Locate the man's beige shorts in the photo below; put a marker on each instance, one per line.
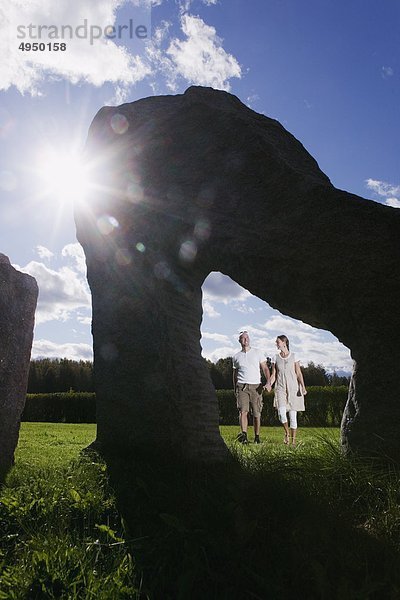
(249, 394)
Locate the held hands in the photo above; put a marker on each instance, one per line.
(267, 387)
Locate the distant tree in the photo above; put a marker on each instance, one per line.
(48, 375)
(335, 379)
(33, 380)
(50, 372)
(224, 368)
(221, 373)
(315, 375)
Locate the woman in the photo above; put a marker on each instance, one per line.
(289, 388)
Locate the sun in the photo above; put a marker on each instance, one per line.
(62, 175)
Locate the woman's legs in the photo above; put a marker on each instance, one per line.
(283, 419)
(293, 425)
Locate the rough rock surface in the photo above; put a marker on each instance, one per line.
(198, 182)
(18, 297)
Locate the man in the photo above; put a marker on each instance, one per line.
(247, 385)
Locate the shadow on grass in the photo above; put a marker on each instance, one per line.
(226, 532)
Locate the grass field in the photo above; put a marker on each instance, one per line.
(56, 444)
(294, 519)
(52, 444)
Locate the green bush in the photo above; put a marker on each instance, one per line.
(62, 407)
(324, 407)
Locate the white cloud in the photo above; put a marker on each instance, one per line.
(44, 252)
(223, 289)
(308, 343)
(48, 349)
(279, 324)
(82, 62)
(209, 310)
(393, 202)
(382, 188)
(221, 352)
(219, 288)
(250, 100)
(243, 308)
(61, 292)
(387, 72)
(216, 337)
(75, 251)
(148, 3)
(161, 32)
(158, 59)
(390, 192)
(184, 5)
(84, 320)
(199, 59)
(120, 95)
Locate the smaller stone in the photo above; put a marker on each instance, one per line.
(18, 298)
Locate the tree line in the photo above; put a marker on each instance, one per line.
(49, 375)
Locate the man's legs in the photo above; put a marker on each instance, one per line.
(242, 396)
(257, 426)
(244, 420)
(256, 408)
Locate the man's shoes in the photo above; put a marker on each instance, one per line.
(257, 439)
(242, 438)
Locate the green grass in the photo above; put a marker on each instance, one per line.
(52, 444)
(280, 522)
(307, 437)
(60, 529)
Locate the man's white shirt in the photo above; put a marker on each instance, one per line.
(248, 365)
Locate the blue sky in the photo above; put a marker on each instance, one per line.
(328, 70)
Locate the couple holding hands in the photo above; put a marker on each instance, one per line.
(289, 388)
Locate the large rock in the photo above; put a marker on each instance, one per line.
(198, 182)
(18, 297)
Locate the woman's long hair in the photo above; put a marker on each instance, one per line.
(284, 339)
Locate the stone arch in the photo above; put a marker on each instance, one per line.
(198, 182)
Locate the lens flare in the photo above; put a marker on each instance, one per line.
(123, 257)
(188, 251)
(106, 224)
(119, 123)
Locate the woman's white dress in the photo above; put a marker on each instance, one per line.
(286, 384)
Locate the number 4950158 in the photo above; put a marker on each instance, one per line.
(42, 46)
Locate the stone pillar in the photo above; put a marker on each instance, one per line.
(18, 297)
(189, 184)
(370, 423)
